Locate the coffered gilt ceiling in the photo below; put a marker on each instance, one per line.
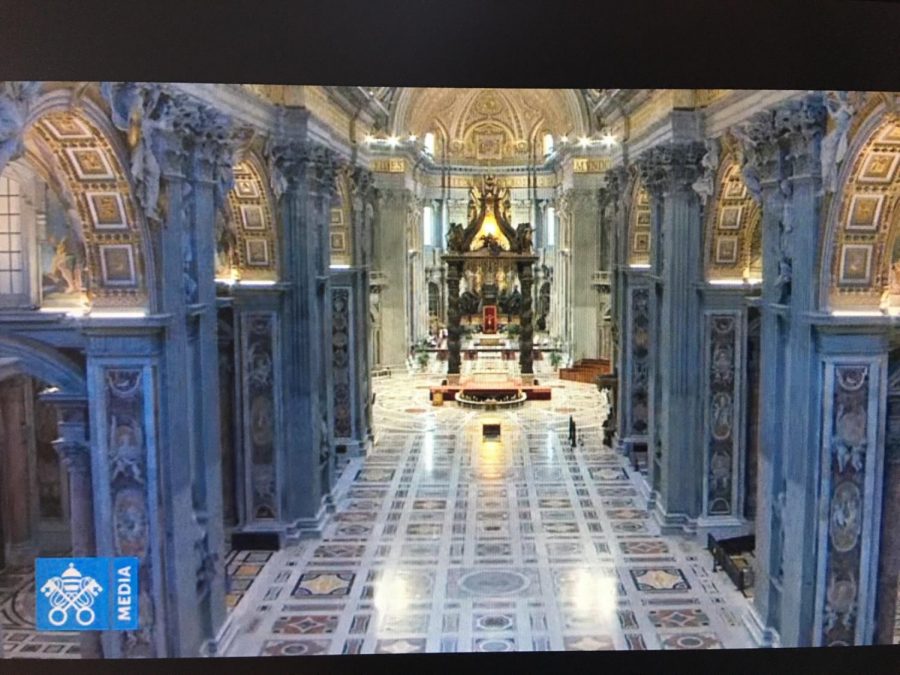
(477, 125)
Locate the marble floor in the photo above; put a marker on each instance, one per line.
(444, 542)
(21, 639)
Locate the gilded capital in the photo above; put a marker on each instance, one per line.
(294, 163)
(671, 167)
(804, 126)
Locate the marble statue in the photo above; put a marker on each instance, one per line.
(749, 161)
(141, 111)
(475, 198)
(604, 401)
(705, 185)
(834, 144)
(455, 237)
(469, 302)
(15, 99)
(524, 238)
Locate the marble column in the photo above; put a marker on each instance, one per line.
(74, 451)
(154, 384)
(526, 335)
(668, 173)
(617, 187)
(304, 177)
(350, 294)
(454, 331)
(393, 262)
(801, 126)
(212, 151)
(782, 168)
(583, 206)
(177, 631)
(763, 170)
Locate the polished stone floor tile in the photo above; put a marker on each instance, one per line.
(443, 543)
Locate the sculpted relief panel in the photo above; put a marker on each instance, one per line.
(640, 361)
(850, 469)
(721, 411)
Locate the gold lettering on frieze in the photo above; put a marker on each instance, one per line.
(591, 164)
(392, 165)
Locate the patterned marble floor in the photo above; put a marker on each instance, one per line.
(20, 637)
(443, 542)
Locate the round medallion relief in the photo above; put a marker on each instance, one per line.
(846, 516)
(494, 582)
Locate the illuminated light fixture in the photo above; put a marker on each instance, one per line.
(608, 140)
(726, 282)
(856, 312)
(339, 266)
(257, 282)
(412, 138)
(393, 141)
(118, 314)
(753, 281)
(640, 266)
(370, 138)
(75, 312)
(584, 141)
(489, 226)
(564, 139)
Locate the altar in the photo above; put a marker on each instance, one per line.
(490, 273)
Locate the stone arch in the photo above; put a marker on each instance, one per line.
(731, 225)
(36, 359)
(77, 151)
(862, 227)
(247, 247)
(520, 113)
(639, 231)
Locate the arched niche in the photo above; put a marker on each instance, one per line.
(247, 246)
(90, 241)
(861, 253)
(733, 234)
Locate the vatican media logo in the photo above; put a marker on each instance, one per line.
(77, 594)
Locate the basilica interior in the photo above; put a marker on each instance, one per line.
(391, 370)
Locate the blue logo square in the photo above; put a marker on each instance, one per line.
(75, 594)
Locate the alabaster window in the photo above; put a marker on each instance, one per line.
(428, 226)
(548, 145)
(551, 226)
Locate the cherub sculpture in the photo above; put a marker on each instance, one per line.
(455, 238)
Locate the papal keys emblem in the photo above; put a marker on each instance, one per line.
(71, 591)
